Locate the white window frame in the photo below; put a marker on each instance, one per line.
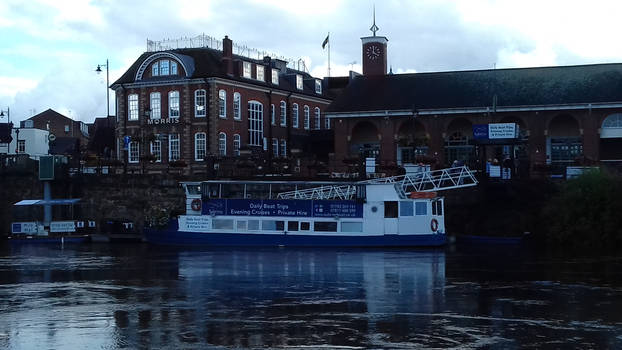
(200, 103)
(272, 115)
(318, 86)
(156, 105)
(283, 106)
(260, 72)
(173, 68)
(222, 104)
(155, 69)
(307, 118)
(318, 118)
(133, 152)
(283, 148)
(132, 107)
(299, 82)
(275, 147)
(222, 144)
(247, 69)
(275, 76)
(326, 122)
(200, 146)
(164, 67)
(21, 146)
(174, 151)
(237, 109)
(156, 149)
(173, 104)
(237, 143)
(255, 123)
(295, 114)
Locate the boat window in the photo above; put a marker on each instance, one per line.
(233, 191)
(390, 209)
(222, 224)
(304, 226)
(242, 225)
(193, 188)
(325, 226)
(213, 190)
(272, 225)
(406, 208)
(361, 192)
(253, 225)
(439, 207)
(421, 208)
(351, 226)
(292, 226)
(258, 191)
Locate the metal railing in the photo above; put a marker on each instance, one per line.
(428, 181)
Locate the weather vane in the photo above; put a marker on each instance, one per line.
(374, 28)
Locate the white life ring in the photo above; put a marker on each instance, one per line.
(195, 204)
(434, 225)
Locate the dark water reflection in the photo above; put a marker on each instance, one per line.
(140, 296)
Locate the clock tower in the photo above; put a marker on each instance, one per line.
(374, 52)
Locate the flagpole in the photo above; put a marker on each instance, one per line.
(329, 54)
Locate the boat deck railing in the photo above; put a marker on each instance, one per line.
(428, 181)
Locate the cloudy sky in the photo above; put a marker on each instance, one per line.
(49, 49)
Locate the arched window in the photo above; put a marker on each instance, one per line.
(200, 103)
(275, 147)
(295, 115)
(272, 115)
(222, 104)
(173, 104)
(283, 113)
(173, 147)
(317, 118)
(255, 123)
(222, 144)
(200, 146)
(156, 150)
(237, 113)
(613, 121)
(133, 154)
(307, 117)
(155, 103)
(237, 143)
(283, 148)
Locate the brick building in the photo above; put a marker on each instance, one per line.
(69, 135)
(208, 111)
(564, 116)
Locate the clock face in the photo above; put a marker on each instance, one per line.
(373, 52)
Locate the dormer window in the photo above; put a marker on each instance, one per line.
(260, 73)
(155, 69)
(164, 67)
(298, 81)
(247, 70)
(275, 76)
(318, 86)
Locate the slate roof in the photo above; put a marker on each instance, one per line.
(597, 83)
(207, 64)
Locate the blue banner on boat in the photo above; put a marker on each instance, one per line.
(287, 208)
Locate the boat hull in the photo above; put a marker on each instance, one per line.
(15, 239)
(171, 236)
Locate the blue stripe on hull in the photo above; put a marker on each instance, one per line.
(48, 240)
(170, 236)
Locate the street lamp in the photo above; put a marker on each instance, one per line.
(8, 114)
(99, 70)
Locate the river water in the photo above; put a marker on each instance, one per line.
(141, 296)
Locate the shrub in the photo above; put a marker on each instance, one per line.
(586, 213)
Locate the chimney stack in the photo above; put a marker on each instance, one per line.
(227, 55)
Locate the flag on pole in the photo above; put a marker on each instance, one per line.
(325, 42)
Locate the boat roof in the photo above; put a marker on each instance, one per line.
(69, 201)
(270, 182)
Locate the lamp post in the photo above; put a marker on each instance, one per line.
(8, 114)
(99, 70)
(10, 126)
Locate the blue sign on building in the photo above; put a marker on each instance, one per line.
(480, 131)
